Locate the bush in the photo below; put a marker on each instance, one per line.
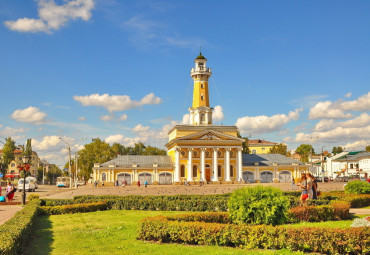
(357, 187)
(338, 210)
(33, 197)
(319, 240)
(358, 201)
(15, 233)
(258, 205)
(76, 208)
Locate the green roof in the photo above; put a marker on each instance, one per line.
(200, 56)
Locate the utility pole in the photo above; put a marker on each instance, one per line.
(69, 163)
(76, 161)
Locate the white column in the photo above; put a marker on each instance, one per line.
(177, 164)
(215, 165)
(190, 165)
(227, 165)
(240, 164)
(99, 175)
(202, 163)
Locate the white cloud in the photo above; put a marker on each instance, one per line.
(349, 94)
(357, 145)
(264, 124)
(140, 128)
(218, 115)
(126, 141)
(123, 117)
(186, 119)
(107, 117)
(12, 132)
(116, 102)
(360, 121)
(53, 16)
(361, 104)
(327, 110)
(47, 143)
(82, 118)
(29, 115)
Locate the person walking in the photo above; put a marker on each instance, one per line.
(293, 183)
(138, 183)
(146, 183)
(304, 192)
(10, 191)
(309, 185)
(314, 186)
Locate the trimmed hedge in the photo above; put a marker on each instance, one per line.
(338, 210)
(331, 241)
(358, 201)
(75, 208)
(15, 233)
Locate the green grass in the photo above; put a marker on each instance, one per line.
(111, 232)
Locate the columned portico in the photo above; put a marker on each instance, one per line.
(215, 165)
(240, 163)
(202, 163)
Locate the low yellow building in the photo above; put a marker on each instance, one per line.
(259, 146)
(201, 151)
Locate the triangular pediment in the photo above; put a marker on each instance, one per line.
(209, 135)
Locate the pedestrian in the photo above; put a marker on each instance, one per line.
(0, 191)
(10, 189)
(201, 182)
(314, 186)
(304, 192)
(117, 183)
(146, 183)
(240, 180)
(102, 183)
(138, 183)
(309, 186)
(293, 183)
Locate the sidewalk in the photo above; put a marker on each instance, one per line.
(7, 211)
(359, 211)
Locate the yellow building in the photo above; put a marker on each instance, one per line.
(259, 146)
(200, 151)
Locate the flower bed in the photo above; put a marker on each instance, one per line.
(178, 229)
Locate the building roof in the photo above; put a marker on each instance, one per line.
(142, 161)
(354, 156)
(200, 56)
(259, 142)
(268, 160)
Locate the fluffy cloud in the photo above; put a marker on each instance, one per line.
(327, 110)
(107, 117)
(126, 141)
(357, 145)
(12, 132)
(53, 16)
(186, 119)
(360, 121)
(29, 115)
(218, 115)
(82, 118)
(361, 104)
(140, 128)
(123, 117)
(265, 124)
(116, 102)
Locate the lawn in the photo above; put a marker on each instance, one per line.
(114, 232)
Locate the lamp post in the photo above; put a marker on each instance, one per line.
(69, 163)
(25, 167)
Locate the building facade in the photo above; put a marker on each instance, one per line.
(200, 151)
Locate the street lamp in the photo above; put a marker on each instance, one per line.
(69, 163)
(25, 167)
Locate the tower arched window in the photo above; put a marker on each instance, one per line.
(201, 86)
(201, 97)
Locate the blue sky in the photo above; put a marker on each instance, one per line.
(285, 71)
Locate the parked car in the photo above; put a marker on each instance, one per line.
(33, 180)
(29, 186)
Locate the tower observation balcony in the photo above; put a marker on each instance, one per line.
(200, 70)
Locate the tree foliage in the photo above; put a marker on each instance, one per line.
(337, 150)
(99, 151)
(8, 154)
(367, 148)
(305, 150)
(244, 144)
(279, 149)
(52, 174)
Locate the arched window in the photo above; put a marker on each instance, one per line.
(219, 171)
(104, 177)
(12, 165)
(254, 152)
(231, 171)
(195, 171)
(182, 171)
(202, 118)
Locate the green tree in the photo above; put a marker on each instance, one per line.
(244, 144)
(279, 149)
(305, 150)
(337, 150)
(367, 148)
(151, 150)
(52, 174)
(97, 151)
(8, 154)
(119, 149)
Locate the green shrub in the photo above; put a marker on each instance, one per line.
(357, 201)
(33, 197)
(357, 187)
(258, 205)
(318, 240)
(16, 232)
(337, 210)
(76, 208)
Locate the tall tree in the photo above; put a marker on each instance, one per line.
(244, 144)
(151, 150)
(53, 173)
(305, 150)
(337, 150)
(8, 154)
(367, 148)
(279, 149)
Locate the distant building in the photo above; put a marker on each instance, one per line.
(259, 146)
(13, 171)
